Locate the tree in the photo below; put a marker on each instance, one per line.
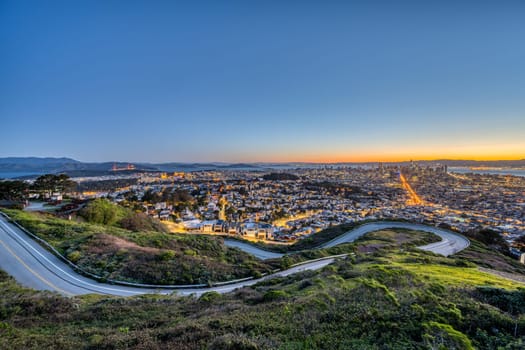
(49, 183)
(491, 238)
(100, 211)
(65, 184)
(151, 197)
(182, 196)
(13, 190)
(230, 210)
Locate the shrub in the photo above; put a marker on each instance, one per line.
(232, 342)
(273, 294)
(101, 211)
(210, 296)
(74, 256)
(190, 252)
(443, 336)
(141, 222)
(286, 262)
(166, 255)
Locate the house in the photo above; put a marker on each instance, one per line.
(233, 229)
(160, 206)
(164, 214)
(56, 197)
(207, 226)
(219, 226)
(259, 230)
(193, 224)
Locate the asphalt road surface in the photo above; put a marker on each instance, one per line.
(450, 243)
(35, 267)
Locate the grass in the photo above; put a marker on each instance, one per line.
(460, 276)
(158, 258)
(485, 256)
(396, 297)
(143, 257)
(348, 305)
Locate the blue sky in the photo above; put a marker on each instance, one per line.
(262, 80)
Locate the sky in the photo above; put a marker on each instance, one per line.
(262, 81)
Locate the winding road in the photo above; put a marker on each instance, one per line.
(450, 243)
(35, 267)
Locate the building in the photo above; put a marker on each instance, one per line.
(260, 230)
(164, 214)
(207, 226)
(219, 226)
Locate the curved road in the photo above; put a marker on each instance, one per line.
(450, 243)
(35, 267)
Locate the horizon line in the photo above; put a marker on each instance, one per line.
(279, 161)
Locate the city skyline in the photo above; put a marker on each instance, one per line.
(279, 82)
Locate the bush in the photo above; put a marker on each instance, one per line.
(101, 211)
(167, 255)
(141, 222)
(460, 262)
(443, 336)
(232, 342)
(286, 262)
(272, 295)
(190, 252)
(74, 256)
(210, 296)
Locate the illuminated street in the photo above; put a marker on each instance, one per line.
(414, 198)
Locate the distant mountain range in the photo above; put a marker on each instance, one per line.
(11, 167)
(26, 167)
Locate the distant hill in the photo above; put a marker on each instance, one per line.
(203, 166)
(27, 167)
(36, 162)
(13, 167)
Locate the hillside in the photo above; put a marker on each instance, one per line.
(143, 254)
(396, 297)
(31, 166)
(27, 167)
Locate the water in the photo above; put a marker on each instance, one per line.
(12, 175)
(509, 171)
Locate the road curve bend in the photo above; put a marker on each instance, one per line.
(450, 243)
(35, 267)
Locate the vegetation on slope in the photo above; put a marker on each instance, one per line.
(315, 240)
(396, 297)
(147, 256)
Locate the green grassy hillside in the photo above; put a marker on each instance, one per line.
(394, 297)
(142, 256)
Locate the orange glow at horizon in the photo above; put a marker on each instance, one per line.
(479, 153)
(364, 158)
